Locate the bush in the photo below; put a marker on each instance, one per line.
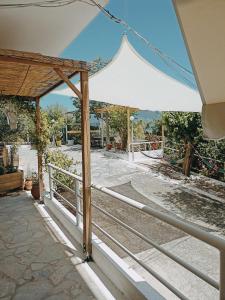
(63, 161)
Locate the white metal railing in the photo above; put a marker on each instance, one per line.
(144, 146)
(180, 224)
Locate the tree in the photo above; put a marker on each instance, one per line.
(186, 128)
(117, 118)
(93, 106)
(25, 112)
(56, 115)
(183, 127)
(139, 130)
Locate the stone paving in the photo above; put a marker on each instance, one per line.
(33, 263)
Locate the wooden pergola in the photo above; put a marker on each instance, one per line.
(35, 75)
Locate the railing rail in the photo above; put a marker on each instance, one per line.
(141, 144)
(192, 230)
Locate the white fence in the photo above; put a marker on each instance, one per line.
(189, 229)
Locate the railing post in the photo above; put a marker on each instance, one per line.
(77, 199)
(222, 274)
(132, 152)
(50, 181)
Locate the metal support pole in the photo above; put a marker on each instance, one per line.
(102, 130)
(132, 139)
(107, 128)
(163, 137)
(86, 166)
(66, 134)
(222, 275)
(128, 129)
(50, 181)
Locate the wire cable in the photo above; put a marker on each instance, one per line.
(46, 4)
(182, 71)
(171, 62)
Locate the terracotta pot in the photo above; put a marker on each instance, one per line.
(109, 146)
(35, 191)
(28, 184)
(154, 146)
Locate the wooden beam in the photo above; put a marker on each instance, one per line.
(68, 82)
(39, 153)
(77, 65)
(86, 166)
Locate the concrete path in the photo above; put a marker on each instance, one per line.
(196, 253)
(38, 262)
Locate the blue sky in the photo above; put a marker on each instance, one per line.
(154, 19)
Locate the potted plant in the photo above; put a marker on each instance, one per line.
(58, 140)
(35, 191)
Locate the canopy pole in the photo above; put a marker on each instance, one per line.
(102, 130)
(128, 129)
(163, 136)
(86, 166)
(107, 128)
(39, 152)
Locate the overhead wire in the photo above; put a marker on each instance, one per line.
(169, 61)
(46, 4)
(182, 71)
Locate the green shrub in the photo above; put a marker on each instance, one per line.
(63, 161)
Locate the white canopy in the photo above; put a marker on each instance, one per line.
(130, 80)
(47, 30)
(203, 27)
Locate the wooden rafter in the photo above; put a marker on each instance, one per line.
(34, 75)
(68, 82)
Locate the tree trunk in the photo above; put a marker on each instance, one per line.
(187, 159)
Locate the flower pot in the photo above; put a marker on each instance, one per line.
(109, 146)
(58, 143)
(154, 146)
(28, 184)
(35, 191)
